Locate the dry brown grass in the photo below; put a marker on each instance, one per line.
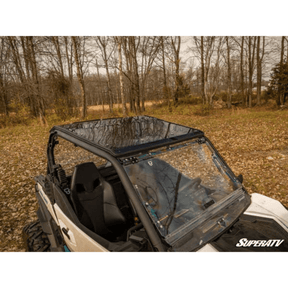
(117, 106)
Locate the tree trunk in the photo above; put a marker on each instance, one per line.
(80, 77)
(142, 90)
(251, 56)
(242, 71)
(177, 68)
(177, 83)
(103, 44)
(55, 41)
(143, 97)
(261, 60)
(165, 88)
(137, 86)
(131, 88)
(202, 70)
(16, 58)
(258, 72)
(3, 94)
(110, 99)
(25, 48)
(250, 72)
(69, 63)
(136, 82)
(70, 74)
(100, 88)
(129, 67)
(280, 92)
(228, 74)
(124, 109)
(34, 68)
(246, 84)
(25, 81)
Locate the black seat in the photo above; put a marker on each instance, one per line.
(95, 203)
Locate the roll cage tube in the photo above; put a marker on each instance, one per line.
(50, 153)
(145, 219)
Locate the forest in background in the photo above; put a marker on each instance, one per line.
(42, 75)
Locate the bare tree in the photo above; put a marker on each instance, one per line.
(103, 42)
(136, 69)
(24, 43)
(55, 40)
(63, 92)
(16, 60)
(228, 74)
(134, 43)
(75, 41)
(280, 93)
(35, 77)
(129, 73)
(251, 63)
(242, 70)
(149, 49)
(206, 47)
(119, 42)
(259, 66)
(130, 47)
(3, 92)
(203, 78)
(99, 86)
(216, 70)
(69, 59)
(176, 43)
(165, 87)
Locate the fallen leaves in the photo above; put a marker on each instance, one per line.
(20, 160)
(245, 139)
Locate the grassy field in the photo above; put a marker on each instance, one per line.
(254, 142)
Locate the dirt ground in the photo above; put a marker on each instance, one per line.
(253, 142)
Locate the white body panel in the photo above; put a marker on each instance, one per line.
(208, 248)
(76, 235)
(263, 206)
(79, 241)
(47, 203)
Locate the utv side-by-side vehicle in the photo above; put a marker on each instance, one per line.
(144, 184)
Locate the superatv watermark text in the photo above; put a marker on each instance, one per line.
(244, 242)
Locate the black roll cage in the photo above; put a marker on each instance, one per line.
(113, 159)
(151, 231)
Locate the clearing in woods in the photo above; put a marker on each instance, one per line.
(254, 142)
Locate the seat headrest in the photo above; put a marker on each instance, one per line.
(85, 177)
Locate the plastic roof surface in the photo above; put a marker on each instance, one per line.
(122, 134)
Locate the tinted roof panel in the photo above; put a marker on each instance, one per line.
(122, 135)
